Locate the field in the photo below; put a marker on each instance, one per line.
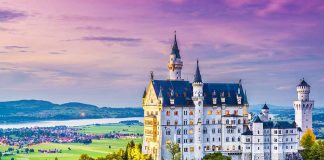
(117, 128)
(98, 148)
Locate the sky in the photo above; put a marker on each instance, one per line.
(102, 52)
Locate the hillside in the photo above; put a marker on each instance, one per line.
(35, 110)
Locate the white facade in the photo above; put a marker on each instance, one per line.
(205, 118)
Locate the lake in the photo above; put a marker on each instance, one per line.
(76, 122)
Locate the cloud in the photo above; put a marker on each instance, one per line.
(111, 39)
(15, 47)
(98, 28)
(55, 53)
(284, 87)
(7, 15)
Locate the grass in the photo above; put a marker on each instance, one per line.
(104, 129)
(98, 148)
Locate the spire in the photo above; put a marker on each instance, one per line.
(175, 49)
(265, 106)
(197, 74)
(303, 83)
(144, 94)
(245, 98)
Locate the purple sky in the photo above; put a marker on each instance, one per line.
(101, 52)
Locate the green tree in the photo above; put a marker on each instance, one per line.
(85, 157)
(317, 151)
(56, 158)
(174, 149)
(216, 155)
(307, 141)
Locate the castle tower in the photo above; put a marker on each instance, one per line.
(303, 106)
(265, 113)
(175, 64)
(198, 99)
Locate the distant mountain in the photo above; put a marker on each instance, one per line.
(35, 110)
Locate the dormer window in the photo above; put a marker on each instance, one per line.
(214, 100)
(171, 101)
(223, 99)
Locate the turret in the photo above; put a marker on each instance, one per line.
(175, 64)
(303, 106)
(265, 112)
(303, 90)
(198, 99)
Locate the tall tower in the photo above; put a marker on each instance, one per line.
(303, 106)
(198, 100)
(265, 113)
(175, 64)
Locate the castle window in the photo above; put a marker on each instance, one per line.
(191, 113)
(209, 112)
(275, 140)
(258, 132)
(192, 149)
(185, 149)
(247, 139)
(218, 112)
(239, 147)
(185, 112)
(207, 139)
(175, 113)
(191, 140)
(275, 148)
(179, 132)
(168, 141)
(185, 131)
(185, 122)
(238, 130)
(239, 121)
(219, 130)
(207, 121)
(275, 132)
(147, 113)
(213, 121)
(235, 112)
(168, 132)
(213, 130)
(205, 131)
(219, 121)
(279, 131)
(175, 122)
(227, 121)
(191, 122)
(168, 113)
(178, 140)
(227, 139)
(286, 131)
(227, 112)
(191, 131)
(233, 147)
(239, 139)
(233, 139)
(168, 122)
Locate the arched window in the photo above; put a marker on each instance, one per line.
(205, 130)
(168, 122)
(239, 139)
(191, 113)
(239, 147)
(191, 122)
(239, 121)
(233, 139)
(168, 132)
(238, 130)
(233, 147)
(208, 148)
(168, 113)
(214, 122)
(176, 122)
(227, 121)
(179, 132)
(207, 121)
(175, 113)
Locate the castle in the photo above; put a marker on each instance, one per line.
(205, 118)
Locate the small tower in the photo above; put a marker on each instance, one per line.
(265, 113)
(175, 64)
(198, 100)
(303, 106)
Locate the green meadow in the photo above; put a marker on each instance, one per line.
(115, 128)
(98, 148)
